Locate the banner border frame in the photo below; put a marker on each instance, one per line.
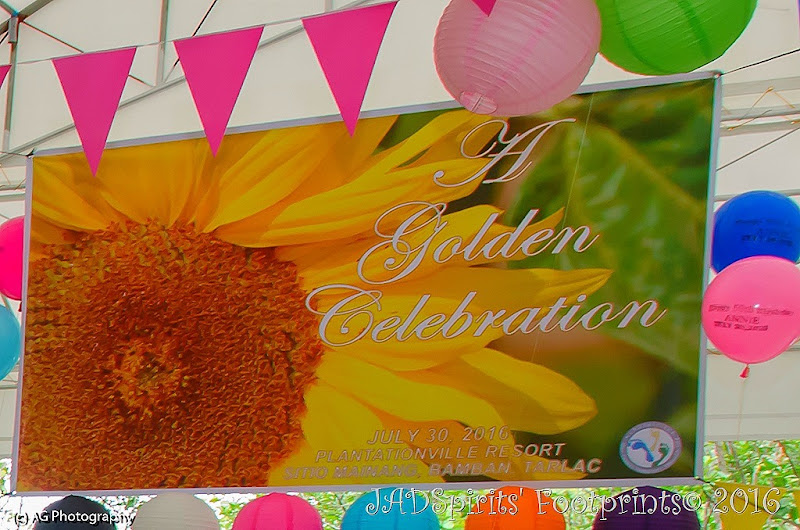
(390, 111)
(716, 123)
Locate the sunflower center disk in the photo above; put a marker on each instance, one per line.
(169, 346)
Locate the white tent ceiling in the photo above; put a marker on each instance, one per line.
(285, 82)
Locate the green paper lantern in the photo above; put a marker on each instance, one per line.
(661, 37)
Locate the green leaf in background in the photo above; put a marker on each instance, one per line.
(643, 189)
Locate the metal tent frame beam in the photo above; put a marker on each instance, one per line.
(757, 116)
(28, 147)
(25, 12)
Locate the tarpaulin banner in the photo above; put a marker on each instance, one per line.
(443, 297)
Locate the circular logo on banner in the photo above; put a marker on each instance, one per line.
(650, 448)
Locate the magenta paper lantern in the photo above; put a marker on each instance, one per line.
(751, 311)
(523, 58)
(12, 235)
(278, 511)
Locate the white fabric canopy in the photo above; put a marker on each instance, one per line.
(286, 83)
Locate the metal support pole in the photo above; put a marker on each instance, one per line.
(13, 37)
(161, 69)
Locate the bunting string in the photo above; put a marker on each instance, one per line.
(284, 21)
(349, 7)
(346, 42)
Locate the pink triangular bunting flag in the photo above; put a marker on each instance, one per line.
(347, 45)
(215, 67)
(486, 5)
(93, 85)
(4, 73)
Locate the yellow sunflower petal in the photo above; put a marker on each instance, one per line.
(130, 176)
(47, 233)
(384, 180)
(245, 159)
(529, 397)
(402, 397)
(509, 290)
(313, 259)
(472, 146)
(43, 234)
(442, 130)
(337, 423)
(282, 180)
(67, 195)
(350, 209)
(279, 163)
(351, 153)
(204, 197)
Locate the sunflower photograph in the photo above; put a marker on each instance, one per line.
(174, 312)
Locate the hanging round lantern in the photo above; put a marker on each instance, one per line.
(10, 341)
(74, 513)
(176, 511)
(751, 310)
(523, 58)
(757, 223)
(278, 511)
(660, 37)
(12, 235)
(391, 508)
(514, 508)
(647, 507)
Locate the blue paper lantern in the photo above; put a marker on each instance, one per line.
(10, 341)
(757, 223)
(391, 509)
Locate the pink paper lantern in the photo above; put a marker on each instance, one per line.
(751, 311)
(523, 58)
(278, 511)
(12, 235)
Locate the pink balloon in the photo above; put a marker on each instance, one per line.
(525, 57)
(12, 235)
(278, 511)
(751, 311)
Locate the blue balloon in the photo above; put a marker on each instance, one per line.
(391, 509)
(10, 341)
(757, 223)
